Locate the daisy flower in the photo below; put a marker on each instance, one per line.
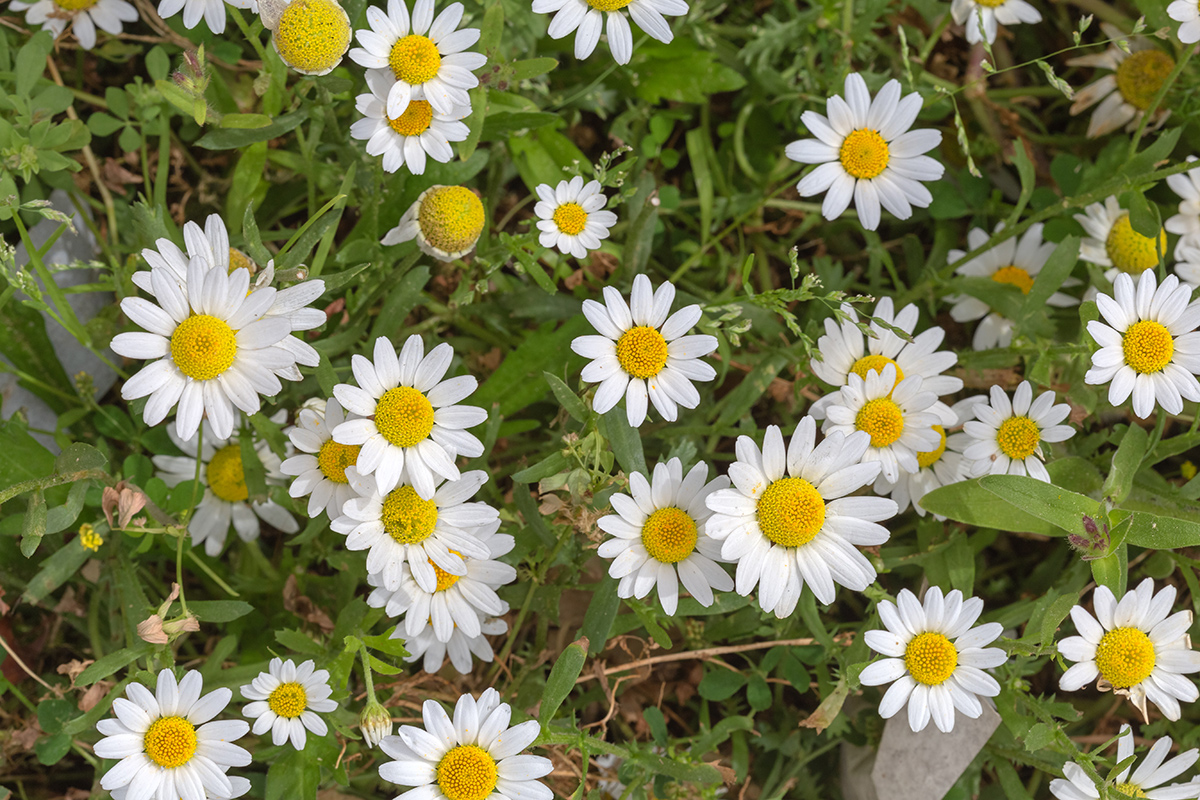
(399, 526)
(868, 154)
(1146, 780)
(213, 348)
(457, 602)
(1112, 242)
(432, 654)
(286, 699)
(238, 786)
(987, 14)
(897, 415)
(1015, 262)
(1124, 95)
(642, 353)
(311, 36)
(225, 492)
(571, 216)
(1187, 264)
(446, 221)
(659, 538)
(936, 657)
(422, 59)
(1185, 223)
(787, 521)
(167, 743)
(407, 138)
(408, 417)
(1136, 648)
(320, 467)
(845, 350)
(1187, 12)
(85, 16)
(470, 757)
(941, 466)
(211, 11)
(1006, 438)
(587, 17)
(1149, 347)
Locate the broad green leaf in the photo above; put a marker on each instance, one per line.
(1125, 463)
(109, 664)
(569, 400)
(969, 502)
(601, 611)
(35, 523)
(518, 381)
(219, 610)
(56, 570)
(625, 442)
(550, 465)
(236, 138)
(562, 679)
(294, 775)
(1058, 506)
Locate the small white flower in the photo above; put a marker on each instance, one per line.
(941, 466)
(422, 58)
(1138, 648)
(286, 701)
(409, 418)
(1187, 264)
(1006, 437)
(786, 520)
(1146, 781)
(1112, 242)
(935, 658)
(167, 744)
(659, 538)
(407, 138)
(1015, 262)
(868, 154)
(1150, 347)
(642, 353)
(1185, 223)
(1124, 95)
(1187, 12)
(587, 16)
(571, 216)
(85, 16)
(971, 14)
(320, 467)
(473, 756)
(446, 221)
(225, 491)
(399, 527)
(211, 11)
(460, 649)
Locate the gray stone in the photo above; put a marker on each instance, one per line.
(923, 766)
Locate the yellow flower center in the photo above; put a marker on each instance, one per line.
(415, 120)
(790, 512)
(415, 59)
(333, 458)
(239, 260)
(1014, 276)
(1141, 75)
(883, 419)
(930, 457)
(991, 3)
(669, 535)
(444, 579)
(451, 218)
(1188, 470)
(89, 538)
(1131, 252)
(467, 772)
(608, 5)
(406, 517)
(170, 742)
(404, 416)
(1125, 657)
(930, 658)
(75, 5)
(313, 35)
(877, 364)
(225, 476)
(642, 351)
(1129, 789)
(288, 700)
(864, 153)
(1148, 346)
(203, 346)
(1018, 437)
(570, 218)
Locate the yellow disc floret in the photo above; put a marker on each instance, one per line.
(239, 260)
(1014, 276)
(406, 517)
(608, 5)
(930, 457)
(444, 579)
(415, 120)
(868, 364)
(203, 346)
(1125, 657)
(415, 59)
(1018, 437)
(1148, 346)
(881, 418)
(467, 772)
(170, 742)
(1141, 75)
(313, 35)
(570, 218)
(288, 700)
(790, 512)
(864, 154)
(642, 351)
(669, 535)
(991, 3)
(1131, 252)
(1129, 789)
(930, 658)
(333, 458)
(451, 219)
(75, 5)
(225, 476)
(404, 416)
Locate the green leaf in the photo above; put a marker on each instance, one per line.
(55, 571)
(517, 382)
(720, 683)
(52, 714)
(686, 773)
(78, 457)
(1125, 463)
(252, 468)
(682, 72)
(658, 725)
(550, 465)
(245, 121)
(293, 776)
(50, 750)
(235, 138)
(1056, 270)
(1160, 533)
(601, 611)
(1144, 216)
(639, 238)
(109, 664)
(35, 524)
(385, 644)
(220, 610)
(969, 502)
(1058, 506)
(569, 400)
(101, 124)
(62, 517)
(532, 68)
(326, 377)
(562, 679)
(299, 642)
(31, 61)
(625, 441)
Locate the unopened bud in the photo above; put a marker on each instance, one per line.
(375, 723)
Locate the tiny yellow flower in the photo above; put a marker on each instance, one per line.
(89, 538)
(1188, 470)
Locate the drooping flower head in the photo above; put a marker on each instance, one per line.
(1112, 242)
(1125, 94)
(311, 36)
(446, 221)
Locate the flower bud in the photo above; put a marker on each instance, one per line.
(375, 723)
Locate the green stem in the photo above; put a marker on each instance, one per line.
(180, 536)
(212, 575)
(368, 677)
